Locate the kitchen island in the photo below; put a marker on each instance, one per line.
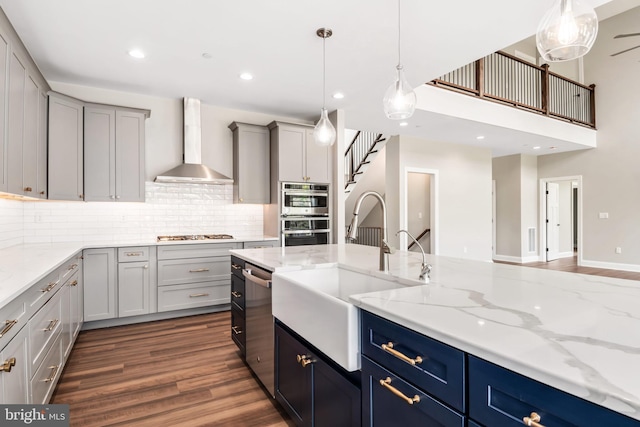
(576, 333)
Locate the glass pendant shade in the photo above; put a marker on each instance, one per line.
(399, 100)
(324, 134)
(567, 31)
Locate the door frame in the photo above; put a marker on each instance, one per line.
(433, 207)
(542, 214)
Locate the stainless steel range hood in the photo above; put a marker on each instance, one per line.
(192, 170)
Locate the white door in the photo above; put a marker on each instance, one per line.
(553, 225)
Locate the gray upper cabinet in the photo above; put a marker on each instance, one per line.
(294, 155)
(4, 66)
(65, 148)
(114, 153)
(41, 150)
(251, 164)
(17, 77)
(30, 142)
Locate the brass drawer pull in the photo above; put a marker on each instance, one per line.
(386, 383)
(74, 283)
(235, 330)
(304, 360)
(236, 294)
(532, 420)
(8, 364)
(54, 372)
(198, 295)
(134, 253)
(51, 286)
(52, 325)
(236, 266)
(8, 325)
(199, 270)
(72, 267)
(28, 189)
(388, 347)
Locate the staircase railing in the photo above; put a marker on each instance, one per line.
(355, 157)
(507, 79)
(369, 236)
(420, 236)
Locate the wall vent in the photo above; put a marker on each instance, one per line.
(532, 239)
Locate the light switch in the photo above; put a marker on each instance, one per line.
(604, 215)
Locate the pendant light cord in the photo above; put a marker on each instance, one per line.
(324, 69)
(399, 62)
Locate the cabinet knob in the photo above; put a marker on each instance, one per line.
(42, 193)
(117, 197)
(80, 196)
(8, 364)
(74, 283)
(28, 189)
(112, 196)
(146, 266)
(532, 420)
(241, 199)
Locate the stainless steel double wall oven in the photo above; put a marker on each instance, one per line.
(305, 214)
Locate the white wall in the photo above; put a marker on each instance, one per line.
(463, 195)
(506, 173)
(418, 207)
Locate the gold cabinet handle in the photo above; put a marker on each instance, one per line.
(28, 189)
(386, 383)
(236, 294)
(54, 372)
(236, 267)
(235, 330)
(51, 286)
(74, 283)
(8, 325)
(388, 347)
(72, 267)
(8, 364)
(42, 193)
(199, 270)
(134, 253)
(52, 325)
(198, 295)
(532, 420)
(304, 360)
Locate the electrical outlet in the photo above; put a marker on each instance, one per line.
(618, 250)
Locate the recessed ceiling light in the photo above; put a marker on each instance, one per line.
(480, 137)
(207, 55)
(404, 123)
(537, 147)
(136, 53)
(338, 95)
(246, 76)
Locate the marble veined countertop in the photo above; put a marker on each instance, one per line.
(574, 332)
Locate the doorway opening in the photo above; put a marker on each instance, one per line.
(561, 218)
(420, 213)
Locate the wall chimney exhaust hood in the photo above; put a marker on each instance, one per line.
(192, 171)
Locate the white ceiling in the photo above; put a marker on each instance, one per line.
(86, 42)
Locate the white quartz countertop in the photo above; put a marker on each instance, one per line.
(574, 332)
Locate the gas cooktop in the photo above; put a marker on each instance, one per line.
(194, 237)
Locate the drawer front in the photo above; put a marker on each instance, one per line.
(43, 290)
(180, 271)
(440, 372)
(13, 317)
(237, 264)
(386, 402)
(70, 267)
(179, 297)
(44, 328)
(237, 292)
(261, 244)
(46, 376)
(14, 383)
(196, 250)
(499, 397)
(238, 328)
(132, 254)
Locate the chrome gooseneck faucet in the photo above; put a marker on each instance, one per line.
(352, 233)
(425, 269)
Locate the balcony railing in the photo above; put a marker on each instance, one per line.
(504, 78)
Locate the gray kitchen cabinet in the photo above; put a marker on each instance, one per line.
(251, 163)
(14, 379)
(134, 281)
(294, 155)
(113, 153)
(100, 284)
(65, 165)
(15, 114)
(72, 310)
(30, 138)
(41, 149)
(4, 92)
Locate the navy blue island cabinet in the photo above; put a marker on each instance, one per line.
(310, 387)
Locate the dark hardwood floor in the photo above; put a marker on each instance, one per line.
(179, 372)
(571, 265)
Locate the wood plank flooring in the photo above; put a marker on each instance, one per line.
(178, 372)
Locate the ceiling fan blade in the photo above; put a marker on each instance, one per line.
(620, 36)
(626, 50)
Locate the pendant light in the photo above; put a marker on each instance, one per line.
(567, 31)
(324, 134)
(399, 100)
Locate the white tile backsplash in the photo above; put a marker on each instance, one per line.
(169, 209)
(11, 222)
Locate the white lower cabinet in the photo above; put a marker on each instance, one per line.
(14, 378)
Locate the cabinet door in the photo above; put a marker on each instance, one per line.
(17, 74)
(14, 385)
(65, 302)
(129, 165)
(336, 401)
(293, 381)
(65, 166)
(30, 142)
(133, 288)
(251, 170)
(317, 160)
(4, 93)
(291, 142)
(99, 154)
(41, 150)
(99, 271)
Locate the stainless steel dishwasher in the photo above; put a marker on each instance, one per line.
(259, 324)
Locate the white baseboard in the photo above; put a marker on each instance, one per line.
(516, 259)
(611, 265)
